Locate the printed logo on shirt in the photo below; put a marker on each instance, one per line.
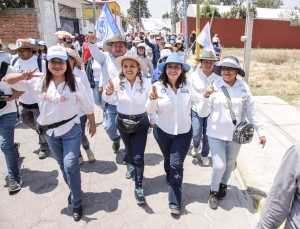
(163, 90)
(141, 90)
(184, 90)
(244, 90)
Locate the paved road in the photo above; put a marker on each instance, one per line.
(108, 196)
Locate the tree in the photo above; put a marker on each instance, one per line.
(273, 4)
(126, 21)
(16, 4)
(133, 10)
(239, 11)
(166, 15)
(293, 16)
(207, 11)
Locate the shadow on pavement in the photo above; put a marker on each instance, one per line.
(98, 166)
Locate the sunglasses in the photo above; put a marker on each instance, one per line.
(23, 49)
(158, 39)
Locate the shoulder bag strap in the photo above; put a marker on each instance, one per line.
(229, 104)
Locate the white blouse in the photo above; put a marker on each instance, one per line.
(200, 83)
(219, 123)
(57, 104)
(173, 110)
(130, 100)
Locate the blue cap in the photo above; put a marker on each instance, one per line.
(57, 52)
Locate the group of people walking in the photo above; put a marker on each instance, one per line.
(179, 108)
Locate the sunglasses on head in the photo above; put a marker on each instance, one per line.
(22, 49)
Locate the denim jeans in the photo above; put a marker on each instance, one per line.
(7, 132)
(29, 117)
(135, 144)
(65, 149)
(109, 117)
(199, 133)
(84, 141)
(174, 148)
(224, 154)
(97, 95)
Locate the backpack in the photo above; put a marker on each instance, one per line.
(3, 69)
(39, 62)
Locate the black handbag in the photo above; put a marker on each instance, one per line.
(244, 131)
(128, 125)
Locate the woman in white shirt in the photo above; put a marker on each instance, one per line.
(75, 62)
(220, 125)
(8, 116)
(200, 80)
(131, 91)
(141, 54)
(59, 94)
(170, 98)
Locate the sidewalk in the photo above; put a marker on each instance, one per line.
(108, 196)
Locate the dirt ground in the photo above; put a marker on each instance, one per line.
(272, 72)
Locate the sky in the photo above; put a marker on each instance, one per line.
(158, 7)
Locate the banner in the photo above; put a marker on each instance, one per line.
(204, 38)
(150, 24)
(105, 25)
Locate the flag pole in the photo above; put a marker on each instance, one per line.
(94, 11)
(197, 27)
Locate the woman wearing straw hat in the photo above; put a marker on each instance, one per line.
(75, 62)
(221, 122)
(170, 99)
(200, 80)
(132, 90)
(59, 94)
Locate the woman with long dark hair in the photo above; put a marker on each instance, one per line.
(59, 94)
(171, 97)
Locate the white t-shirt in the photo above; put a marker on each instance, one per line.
(30, 64)
(6, 89)
(97, 70)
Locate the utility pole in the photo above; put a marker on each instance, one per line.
(186, 27)
(94, 11)
(172, 17)
(248, 46)
(139, 17)
(197, 27)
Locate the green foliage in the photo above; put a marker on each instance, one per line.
(126, 20)
(273, 4)
(238, 11)
(133, 10)
(166, 15)
(293, 16)
(207, 11)
(16, 4)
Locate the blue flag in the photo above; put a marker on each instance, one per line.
(105, 25)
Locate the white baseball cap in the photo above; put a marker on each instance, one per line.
(57, 52)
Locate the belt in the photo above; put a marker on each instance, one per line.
(132, 116)
(57, 124)
(30, 106)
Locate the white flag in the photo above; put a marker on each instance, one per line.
(204, 37)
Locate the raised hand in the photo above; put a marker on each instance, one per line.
(28, 75)
(153, 95)
(262, 141)
(92, 37)
(210, 90)
(110, 88)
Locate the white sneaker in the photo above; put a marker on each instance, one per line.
(90, 154)
(195, 151)
(205, 161)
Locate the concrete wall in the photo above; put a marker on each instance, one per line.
(66, 11)
(18, 23)
(266, 33)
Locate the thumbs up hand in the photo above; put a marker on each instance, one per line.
(110, 88)
(210, 90)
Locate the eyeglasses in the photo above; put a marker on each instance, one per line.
(228, 69)
(60, 63)
(23, 49)
(158, 39)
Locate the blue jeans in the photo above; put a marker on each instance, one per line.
(84, 141)
(7, 133)
(174, 148)
(65, 149)
(135, 144)
(199, 133)
(224, 154)
(97, 95)
(109, 116)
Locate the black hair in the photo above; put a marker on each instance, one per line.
(69, 78)
(181, 81)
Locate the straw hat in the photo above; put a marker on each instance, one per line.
(137, 40)
(207, 55)
(193, 32)
(72, 53)
(168, 46)
(130, 55)
(3, 45)
(229, 61)
(24, 43)
(116, 38)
